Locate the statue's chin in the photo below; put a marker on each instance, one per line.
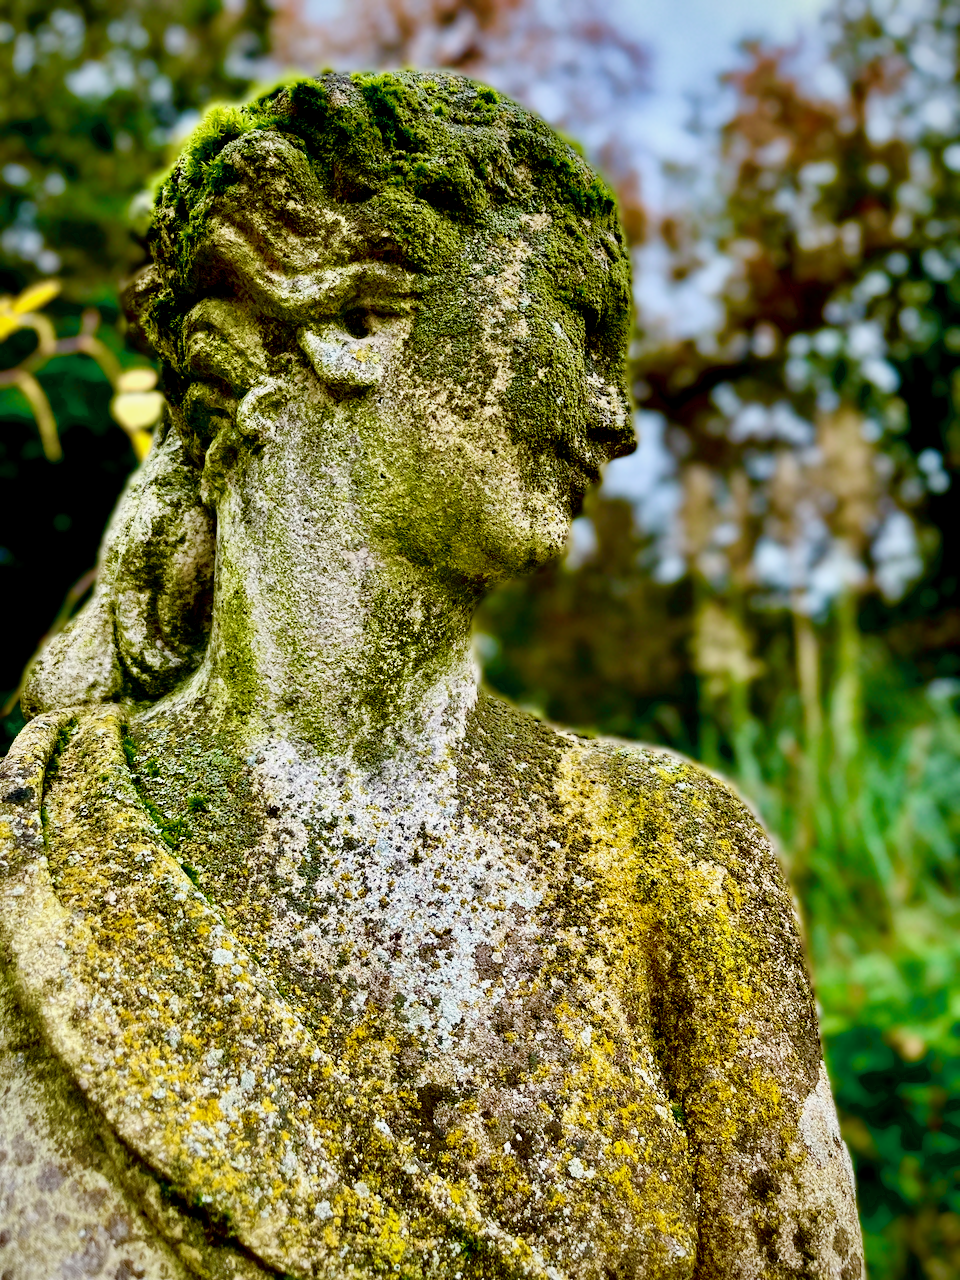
(530, 542)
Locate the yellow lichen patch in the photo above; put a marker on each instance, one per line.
(684, 866)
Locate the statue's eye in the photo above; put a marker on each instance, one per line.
(356, 321)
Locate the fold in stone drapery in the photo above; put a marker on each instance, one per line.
(194, 1059)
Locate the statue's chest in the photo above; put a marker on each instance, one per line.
(373, 1016)
(456, 974)
(434, 929)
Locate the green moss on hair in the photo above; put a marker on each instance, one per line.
(423, 158)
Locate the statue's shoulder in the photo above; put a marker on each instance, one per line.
(63, 1210)
(673, 879)
(695, 850)
(672, 802)
(647, 799)
(672, 848)
(669, 855)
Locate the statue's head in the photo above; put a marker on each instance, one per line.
(400, 285)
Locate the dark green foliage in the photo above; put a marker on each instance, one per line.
(902, 1120)
(52, 516)
(88, 99)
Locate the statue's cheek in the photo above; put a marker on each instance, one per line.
(547, 395)
(345, 365)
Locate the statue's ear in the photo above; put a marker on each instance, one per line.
(162, 574)
(146, 624)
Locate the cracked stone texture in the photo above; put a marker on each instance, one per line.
(320, 962)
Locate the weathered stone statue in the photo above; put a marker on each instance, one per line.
(320, 962)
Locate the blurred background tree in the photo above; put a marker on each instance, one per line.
(769, 584)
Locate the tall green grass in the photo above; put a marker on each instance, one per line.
(863, 795)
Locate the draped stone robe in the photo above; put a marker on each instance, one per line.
(544, 1014)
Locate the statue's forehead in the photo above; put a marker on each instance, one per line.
(269, 193)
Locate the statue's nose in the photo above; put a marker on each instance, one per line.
(610, 425)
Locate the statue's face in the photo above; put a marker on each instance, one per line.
(499, 404)
(479, 402)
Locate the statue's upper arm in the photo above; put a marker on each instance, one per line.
(736, 1030)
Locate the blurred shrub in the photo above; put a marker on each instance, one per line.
(90, 96)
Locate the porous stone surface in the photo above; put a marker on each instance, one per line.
(319, 961)
(62, 1214)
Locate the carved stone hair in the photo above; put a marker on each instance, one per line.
(415, 160)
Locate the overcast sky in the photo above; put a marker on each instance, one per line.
(692, 41)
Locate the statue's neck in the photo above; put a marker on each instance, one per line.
(323, 638)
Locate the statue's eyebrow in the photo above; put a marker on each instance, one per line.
(294, 278)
